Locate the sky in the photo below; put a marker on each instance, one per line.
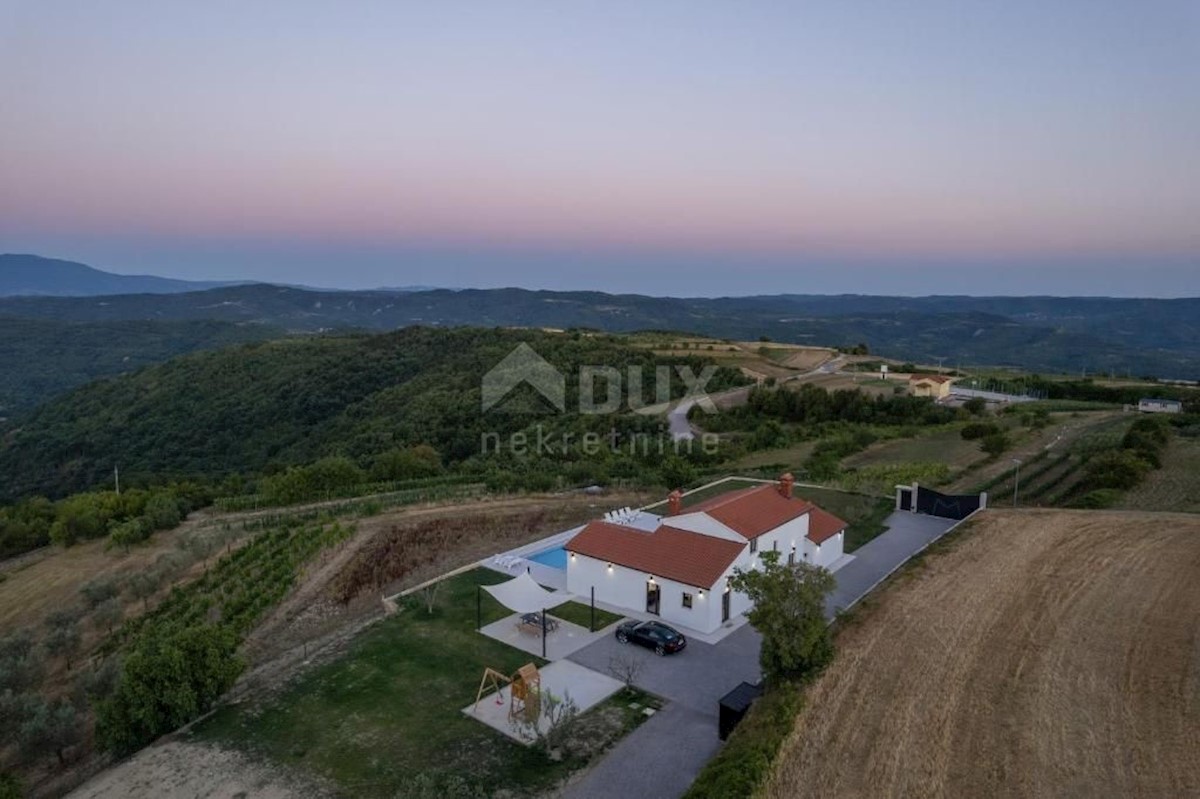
(682, 147)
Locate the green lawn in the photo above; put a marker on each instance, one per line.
(940, 445)
(581, 614)
(390, 708)
(865, 513)
(695, 498)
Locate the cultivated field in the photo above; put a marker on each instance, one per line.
(1040, 653)
(1176, 486)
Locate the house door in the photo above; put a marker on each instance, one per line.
(652, 595)
(725, 606)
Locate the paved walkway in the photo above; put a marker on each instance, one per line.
(562, 679)
(907, 533)
(560, 642)
(660, 758)
(663, 756)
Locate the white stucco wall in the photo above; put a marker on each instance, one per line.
(704, 524)
(828, 552)
(626, 588)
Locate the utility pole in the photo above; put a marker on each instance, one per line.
(1016, 480)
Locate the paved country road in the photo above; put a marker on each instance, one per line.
(662, 757)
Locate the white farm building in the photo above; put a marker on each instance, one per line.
(679, 569)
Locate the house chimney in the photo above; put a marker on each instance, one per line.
(675, 502)
(785, 485)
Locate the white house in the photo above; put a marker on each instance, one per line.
(1160, 406)
(680, 569)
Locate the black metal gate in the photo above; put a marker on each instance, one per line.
(947, 506)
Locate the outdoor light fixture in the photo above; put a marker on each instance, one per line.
(651, 578)
(610, 567)
(701, 592)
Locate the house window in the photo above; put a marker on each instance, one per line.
(753, 545)
(687, 600)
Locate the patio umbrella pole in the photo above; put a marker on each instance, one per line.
(478, 607)
(543, 633)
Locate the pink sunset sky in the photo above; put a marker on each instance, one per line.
(666, 147)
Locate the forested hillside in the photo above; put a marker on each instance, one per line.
(40, 359)
(258, 408)
(1137, 336)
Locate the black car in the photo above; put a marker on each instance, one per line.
(654, 635)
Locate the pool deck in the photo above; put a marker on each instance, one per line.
(519, 557)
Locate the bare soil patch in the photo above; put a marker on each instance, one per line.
(186, 770)
(1039, 653)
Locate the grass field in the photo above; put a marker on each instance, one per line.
(791, 457)
(865, 513)
(581, 614)
(708, 492)
(389, 709)
(1176, 486)
(51, 580)
(1038, 653)
(942, 445)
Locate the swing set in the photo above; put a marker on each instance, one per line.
(525, 696)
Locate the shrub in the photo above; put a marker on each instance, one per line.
(1120, 469)
(975, 406)
(167, 680)
(994, 444)
(98, 590)
(10, 786)
(977, 430)
(64, 642)
(744, 763)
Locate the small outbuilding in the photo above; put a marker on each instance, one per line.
(1160, 406)
(936, 386)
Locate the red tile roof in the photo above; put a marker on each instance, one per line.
(687, 557)
(823, 525)
(753, 511)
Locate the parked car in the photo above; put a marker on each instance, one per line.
(664, 640)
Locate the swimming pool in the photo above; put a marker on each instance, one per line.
(555, 558)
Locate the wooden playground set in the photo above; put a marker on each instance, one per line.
(525, 696)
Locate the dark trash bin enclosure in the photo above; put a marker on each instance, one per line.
(734, 706)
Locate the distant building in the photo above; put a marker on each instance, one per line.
(1160, 406)
(936, 386)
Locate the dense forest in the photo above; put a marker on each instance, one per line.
(1137, 336)
(41, 359)
(257, 409)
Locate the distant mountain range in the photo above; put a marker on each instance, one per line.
(1049, 334)
(32, 275)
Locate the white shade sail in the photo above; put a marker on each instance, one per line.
(524, 595)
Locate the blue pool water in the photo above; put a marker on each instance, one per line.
(555, 558)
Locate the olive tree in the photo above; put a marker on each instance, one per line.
(789, 613)
(64, 642)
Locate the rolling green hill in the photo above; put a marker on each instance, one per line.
(40, 359)
(1141, 337)
(257, 408)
